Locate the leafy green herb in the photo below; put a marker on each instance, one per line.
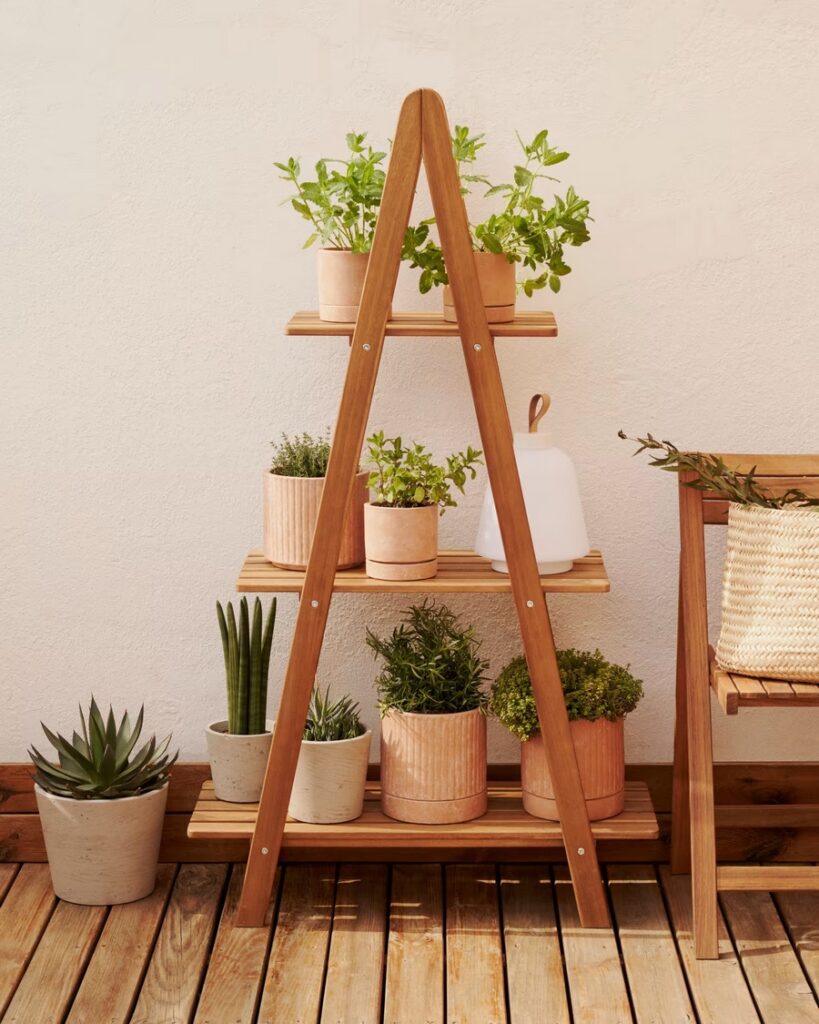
(247, 663)
(406, 476)
(301, 455)
(332, 720)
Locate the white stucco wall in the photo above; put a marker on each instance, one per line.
(148, 269)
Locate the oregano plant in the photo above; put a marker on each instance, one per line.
(405, 476)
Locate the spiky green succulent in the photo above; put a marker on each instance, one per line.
(329, 720)
(103, 763)
(247, 662)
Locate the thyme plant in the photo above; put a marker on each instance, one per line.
(406, 477)
(301, 455)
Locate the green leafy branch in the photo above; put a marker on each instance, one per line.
(406, 476)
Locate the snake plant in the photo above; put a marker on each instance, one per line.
(247, 661)
(103, 763)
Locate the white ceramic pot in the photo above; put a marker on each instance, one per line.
(237, 763)
(102, 851)
(330, 779)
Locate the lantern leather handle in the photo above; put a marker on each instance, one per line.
(536, 414)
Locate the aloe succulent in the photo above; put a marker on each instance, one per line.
(103, 763)
(329, 720)
(247, 662)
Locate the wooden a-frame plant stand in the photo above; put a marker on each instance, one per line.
(423, 133)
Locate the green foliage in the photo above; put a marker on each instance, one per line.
(332, 720)
(103, 763)
(302, 455)
(406, 477)
(592, 688)
(713, 474)
(247, 662)
(528, 229)
(342, 203)
(431, 664)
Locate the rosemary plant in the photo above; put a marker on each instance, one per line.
(247, 662)
(329, 720)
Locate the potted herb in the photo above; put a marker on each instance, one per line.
(341, 205)
(770, 586)
(238, 746)
(433, 726)
(409, 493)
(598, 696)
(528, 229)
(292, 492)
(102, 805)
(332, 769)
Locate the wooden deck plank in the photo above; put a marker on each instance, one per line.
(414, 984)
(48, 985)
(295, 973)
(174, 974)
(232, 987)
(655, 977)
(24, 914)
(718, 987)
(7, 875)
(474, 954)
(122, 952)
(534, 966)
(355, 965)
(800, 912)
(597, 988)
(778, 984)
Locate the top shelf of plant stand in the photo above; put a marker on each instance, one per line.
(537, 324)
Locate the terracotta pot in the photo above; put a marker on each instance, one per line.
(340, 283)
(401, 543)
(600, 753)
(291, 505)
(330, 779)
(102, 851)
(496, 277)
(237, 763)
(433, 767)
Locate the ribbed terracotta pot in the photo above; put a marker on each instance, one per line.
(496, 277)
(330, 779)
(102, 851)
(291, 505)
(600, 753)
(237, 763)
(433, 767)
(340, 283)
(401, 543)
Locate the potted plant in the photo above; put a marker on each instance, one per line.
(341, 206)
(102, 805)
(410, 491)
(770, 586)
(332, 768)
(292, 492)
(238, 747)
(433, 723)
(598, 697)
(528, 229)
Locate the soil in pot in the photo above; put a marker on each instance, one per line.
(401, 543)
(496, 277)
(291, 505)
(433, 767)
(102, 851)
(600, 753)
(237, 763)
(330, 779)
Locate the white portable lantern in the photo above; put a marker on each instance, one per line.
(552, 500)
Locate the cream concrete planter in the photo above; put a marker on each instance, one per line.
(496, 278)
(599, 749)
(330, 779)
(237, 763)
(340, 283)
(102, 851)
(291, 505)
(401, 543)
(433, 767)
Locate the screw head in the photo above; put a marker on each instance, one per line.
(265, 851)
(477, 348)
(580, 851)
(530, 604)
(366, 346)
(314, 603)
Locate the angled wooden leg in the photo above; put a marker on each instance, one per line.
(496, 436)
(680, 813)
(365, 355)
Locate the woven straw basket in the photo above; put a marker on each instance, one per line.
(770, 593)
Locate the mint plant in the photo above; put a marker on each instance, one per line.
(406, 477)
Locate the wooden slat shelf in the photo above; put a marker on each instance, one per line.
(735, 691)
(535, 324)
(458, 572)
(505, 824)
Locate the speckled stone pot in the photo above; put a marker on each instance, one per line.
(237, 763)
(330, 778)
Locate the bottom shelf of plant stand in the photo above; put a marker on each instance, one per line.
(505, 824)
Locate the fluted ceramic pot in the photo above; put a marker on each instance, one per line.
(600, 752)
(330, 780)
(237, 763)
(496, 278)
(433, 767)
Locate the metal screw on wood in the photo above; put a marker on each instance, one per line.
(366, 346)
(477, 348)
(314, 603)
(530, 604)
(580, 851)
(265, 850)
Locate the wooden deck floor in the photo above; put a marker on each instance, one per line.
(402, 944)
